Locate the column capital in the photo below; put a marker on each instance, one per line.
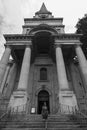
(28, 46)
(77, 45)
(58, 45)
(56, 40)
(7, 46)
(30, 42)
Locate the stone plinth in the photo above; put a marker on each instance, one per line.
(67, 102)
(18, 101)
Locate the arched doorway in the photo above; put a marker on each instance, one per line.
(43, 96)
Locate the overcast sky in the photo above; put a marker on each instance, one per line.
(12, 13)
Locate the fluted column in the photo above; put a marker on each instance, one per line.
(62, 77)
(4, 62)
(82, 62)
(23, 81)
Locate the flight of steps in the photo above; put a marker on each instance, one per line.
(35, 122)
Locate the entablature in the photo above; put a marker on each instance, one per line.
(33, 26)
(67, 39)
(27, 20)
(36, 22)
(18, 39)
(21, 39)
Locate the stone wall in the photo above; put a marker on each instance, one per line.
(36, 85)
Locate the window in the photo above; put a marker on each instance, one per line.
(43, 74)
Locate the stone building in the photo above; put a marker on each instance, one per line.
(48, 66)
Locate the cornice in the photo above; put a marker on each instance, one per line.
(33, 26)
(67, 39)
(42, 19)
(70, 36)
(17, 37)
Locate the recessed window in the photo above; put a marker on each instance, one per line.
(43, 74)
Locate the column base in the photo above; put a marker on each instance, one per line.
(67, 102)
(18, 101)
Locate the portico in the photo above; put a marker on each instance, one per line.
(44, 67)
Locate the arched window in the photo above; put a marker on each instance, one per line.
(43, 74)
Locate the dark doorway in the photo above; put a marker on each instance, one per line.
(43, 96)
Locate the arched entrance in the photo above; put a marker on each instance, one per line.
(43, 96)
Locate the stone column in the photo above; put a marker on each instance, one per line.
(11, 81)
(20, 101)
(23, 81)
(4, 78)
(4, 62)
(82, 62)
(62, 77)
(67, 99)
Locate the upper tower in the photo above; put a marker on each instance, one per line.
(43, 12)
(43, 18)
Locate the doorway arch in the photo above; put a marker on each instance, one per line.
(43, 96)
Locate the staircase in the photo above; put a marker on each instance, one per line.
(35, 122)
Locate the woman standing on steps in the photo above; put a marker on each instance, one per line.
(44, 111)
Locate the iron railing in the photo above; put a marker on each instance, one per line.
(66, 109)
(5, 115)
(14, 112)
(63, 109)
(81, 114)
(3, 104)
(71, 110)
(18, 109)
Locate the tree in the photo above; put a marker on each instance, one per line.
(82, 29)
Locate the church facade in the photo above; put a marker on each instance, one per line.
(48, 66)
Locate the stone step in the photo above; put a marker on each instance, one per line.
(42, 122)
(35, 122)
(33, 125)
(37, 117)
(38, 122)
(42, 126)
(50, 119)
(44, 129)
(15, 120)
